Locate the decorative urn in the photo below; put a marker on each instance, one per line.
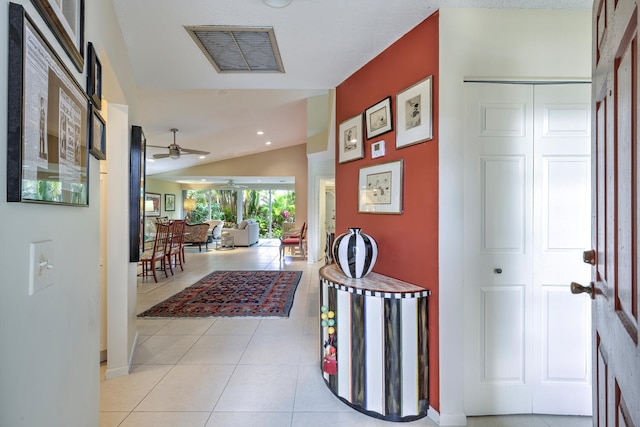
(355, 253)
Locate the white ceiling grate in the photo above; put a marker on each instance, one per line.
(239, 49)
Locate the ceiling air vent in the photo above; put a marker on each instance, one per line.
(239, 49)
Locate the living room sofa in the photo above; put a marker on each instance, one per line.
(246, 233)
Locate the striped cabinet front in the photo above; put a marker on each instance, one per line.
(381, 342)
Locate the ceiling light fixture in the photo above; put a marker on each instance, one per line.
(277, 3)
(260, 132)
(268, 143)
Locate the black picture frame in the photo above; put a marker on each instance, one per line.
(94, 77)
(169, 202)
(47, 121)
(378, 118)
(97, 135)
(62, 17)
(137, 181)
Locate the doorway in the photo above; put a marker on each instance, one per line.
(527, 221)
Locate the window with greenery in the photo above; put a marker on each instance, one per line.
(271, 208)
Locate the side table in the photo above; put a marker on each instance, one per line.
(225, 243)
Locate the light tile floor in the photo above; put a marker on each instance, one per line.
(235, 372)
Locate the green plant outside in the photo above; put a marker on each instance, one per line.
(222, 204)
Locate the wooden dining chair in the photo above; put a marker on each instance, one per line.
(150, 258)
(293, 239)
(175, 246)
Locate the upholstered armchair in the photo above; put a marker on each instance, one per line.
(197, 234)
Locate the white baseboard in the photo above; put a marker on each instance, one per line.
(122, 370)
(447, 419)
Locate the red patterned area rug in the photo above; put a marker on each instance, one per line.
(256, 293)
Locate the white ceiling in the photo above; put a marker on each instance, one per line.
(322, 42)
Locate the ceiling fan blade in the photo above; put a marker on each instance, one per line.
(160, 156)
(190, 151)
(158, 146)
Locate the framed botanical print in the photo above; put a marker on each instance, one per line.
(169, 202)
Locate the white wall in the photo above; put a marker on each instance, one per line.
(321, 170)
(49, 342)
(487, 44)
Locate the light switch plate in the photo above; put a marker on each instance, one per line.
(41, 266)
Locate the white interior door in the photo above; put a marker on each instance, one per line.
(527, 171)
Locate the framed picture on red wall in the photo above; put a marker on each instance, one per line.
(350, 144)
(378, 118)
(414, 119)
(380, 188)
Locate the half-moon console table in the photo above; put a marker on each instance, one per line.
(381, 344)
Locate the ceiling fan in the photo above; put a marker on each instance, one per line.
(231, 185)
(175, 150)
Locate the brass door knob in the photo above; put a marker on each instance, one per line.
(577, 288)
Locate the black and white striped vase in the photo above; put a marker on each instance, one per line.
(355, 253)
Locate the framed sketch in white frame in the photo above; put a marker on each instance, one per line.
(380, 188)
(378, 118)
(414, 118)
(350, 144)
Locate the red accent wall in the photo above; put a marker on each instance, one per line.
(407, 243)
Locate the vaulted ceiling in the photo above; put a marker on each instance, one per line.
(321, 43)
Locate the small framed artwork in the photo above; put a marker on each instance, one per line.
(169, 202)
(351, 146)
(152, 204)
(414, 115)
(377, 149)
(97, 135)
(380, 188)
(94, 77)
(378, 118)
(65, 18)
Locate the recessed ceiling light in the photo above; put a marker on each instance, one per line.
(203, 180)
(202, 157)
(268, 143)
(260, 132)
(150, 160)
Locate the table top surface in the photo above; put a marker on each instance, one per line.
(371, 282)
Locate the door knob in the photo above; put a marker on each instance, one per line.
(589, 257)
(577, 288)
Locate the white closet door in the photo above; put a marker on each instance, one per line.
(561, 368)
(513, 337)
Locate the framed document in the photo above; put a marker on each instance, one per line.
(47, 155)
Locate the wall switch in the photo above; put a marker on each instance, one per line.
(41, 266)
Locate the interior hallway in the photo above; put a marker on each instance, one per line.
(241, 371)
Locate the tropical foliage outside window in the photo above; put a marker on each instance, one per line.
(270, 208)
